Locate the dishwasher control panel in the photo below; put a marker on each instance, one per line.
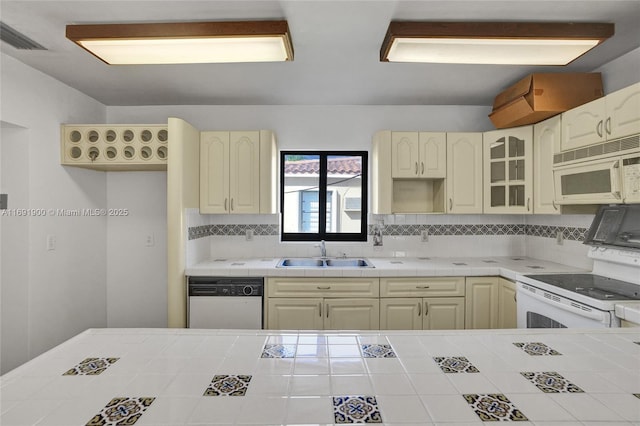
(208, 286)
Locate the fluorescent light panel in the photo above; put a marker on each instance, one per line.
(491, 43)
(184, 43)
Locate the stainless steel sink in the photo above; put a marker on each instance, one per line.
(348, 263)
(306, 262)
(301, 263)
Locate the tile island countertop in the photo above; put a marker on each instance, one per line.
(261, 377)
(507, 267)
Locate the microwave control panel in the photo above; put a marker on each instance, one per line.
(631, 179)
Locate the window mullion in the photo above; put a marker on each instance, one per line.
(322, 198)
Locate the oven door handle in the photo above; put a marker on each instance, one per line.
(596, 315)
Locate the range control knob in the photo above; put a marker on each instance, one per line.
(247, 290)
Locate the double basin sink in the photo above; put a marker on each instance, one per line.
(307, 262)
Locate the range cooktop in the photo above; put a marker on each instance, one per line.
(590, 285)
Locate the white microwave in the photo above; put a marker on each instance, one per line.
(606, 181)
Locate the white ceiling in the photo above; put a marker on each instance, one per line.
(336, 46)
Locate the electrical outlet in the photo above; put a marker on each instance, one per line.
(424, 236)
(51, 242)
(249, 235)
(559, 238)
(149, 241)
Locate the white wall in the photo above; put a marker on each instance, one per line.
(137, 271)
(65, 288)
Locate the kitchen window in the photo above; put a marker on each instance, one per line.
(323, 195)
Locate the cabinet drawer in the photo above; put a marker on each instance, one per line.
(427, 287)
(323, 287)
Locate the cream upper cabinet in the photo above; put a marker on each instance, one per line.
(546, 142)
(508, 173)
(464, 173)
(237, 172)
(481, 303)
(614, 116)
(507, 304)
(418, 155)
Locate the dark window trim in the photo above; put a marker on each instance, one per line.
(322, 200)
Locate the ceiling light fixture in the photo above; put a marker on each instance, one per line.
(185, 42)
(514, 43)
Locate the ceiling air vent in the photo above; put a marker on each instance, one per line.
(17, 40)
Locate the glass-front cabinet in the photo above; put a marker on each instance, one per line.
(508, 155)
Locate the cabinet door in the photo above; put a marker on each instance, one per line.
(507, 305)
(623, 108)
(214, 172)
(546, 142)
(401, 313)
(443, 313)
(244, 172)
(464, 173)
(352, 314)
(507, 170)
(432, 150)
(481, 303)
(404, 154)
(584, 125)
(294, 314)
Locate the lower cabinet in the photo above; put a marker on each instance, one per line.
(507, 304)
(481, 303)
(405, 303)
(326, 304)
(435, 303)
(323, 314)
(428, 313)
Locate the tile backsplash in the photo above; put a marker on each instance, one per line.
(214, 236)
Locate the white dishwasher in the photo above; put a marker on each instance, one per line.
(225, 302)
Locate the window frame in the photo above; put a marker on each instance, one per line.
(322, 199)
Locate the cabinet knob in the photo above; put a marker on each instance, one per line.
(422, 286)
(225, 203)
(450, 204)
(320, 309)
(232, 204)
(426, 309)
(416, 167)
(324, 288)
(607, 126)
(528, 202)
(327, 309)
(422, 167)
(419, 308)
(599, 128)
(553, 203)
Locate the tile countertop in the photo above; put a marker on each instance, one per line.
(507, 267)
(262, 377)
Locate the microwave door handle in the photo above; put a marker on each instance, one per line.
(593, 315)
(615, 180)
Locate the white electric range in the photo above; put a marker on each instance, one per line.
(588, 300)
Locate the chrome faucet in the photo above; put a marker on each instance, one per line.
(323, 249)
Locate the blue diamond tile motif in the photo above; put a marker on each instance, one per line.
(278, 351)
(537, 349)
(378, 351)
(356, 409)
(494, 408)
(551, 382)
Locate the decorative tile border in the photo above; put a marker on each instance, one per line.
(455, 364)
(569, 233)
(494, 407)
(378, 351)
(90, 367)
(228, 385)
(537, 348)
(278, 351)
(121, 411)
(551, 382)
(356, 409)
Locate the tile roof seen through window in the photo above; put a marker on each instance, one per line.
(341, 165)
